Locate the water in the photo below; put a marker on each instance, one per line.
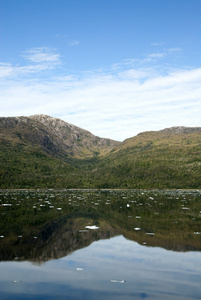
(100, 245)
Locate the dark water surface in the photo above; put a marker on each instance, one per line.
(100, 244)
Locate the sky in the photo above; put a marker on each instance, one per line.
(113, 67)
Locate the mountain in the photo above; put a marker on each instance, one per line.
(53, 136)
(172, 135)
(169, 158)
(41, 151)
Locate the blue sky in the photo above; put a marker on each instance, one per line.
(115, 68)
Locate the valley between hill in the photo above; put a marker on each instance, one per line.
(45, 152)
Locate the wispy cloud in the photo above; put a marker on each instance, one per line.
(36, 60)
(73, 43)
(117, 103)
(156, 55)
(157, 44)
(62, 35)
(6, 70)
(171, 50)
(160, 55)
(146, 59)
(42, 55)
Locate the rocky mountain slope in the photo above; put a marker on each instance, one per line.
(54, 136)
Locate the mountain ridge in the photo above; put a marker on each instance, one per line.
(41, 151)
(57, 123)
(56, 135)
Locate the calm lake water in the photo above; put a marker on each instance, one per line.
(60, 244)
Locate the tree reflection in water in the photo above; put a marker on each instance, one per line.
(50, 224)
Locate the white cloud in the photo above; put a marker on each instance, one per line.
(39, 59)
(146, 60)
(156, 55)
(5, 69)
(171, 50)
(116, 103)
(42, 55)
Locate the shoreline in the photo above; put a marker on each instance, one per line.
(102, 189)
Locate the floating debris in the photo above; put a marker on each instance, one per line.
(92, 227)
(118, 281)
(79, 269)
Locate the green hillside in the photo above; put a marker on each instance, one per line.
(163, 159)
(43, 152)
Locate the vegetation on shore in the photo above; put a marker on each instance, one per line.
(37, 158)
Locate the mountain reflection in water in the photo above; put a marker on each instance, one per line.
(50, 224)
(115, 268)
